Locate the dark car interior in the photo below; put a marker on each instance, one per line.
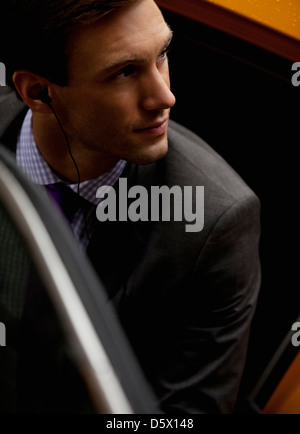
(239, 98)
(66, 352)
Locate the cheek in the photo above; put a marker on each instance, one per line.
(90, 110)
(117, 110)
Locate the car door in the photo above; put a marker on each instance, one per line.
(62, 349)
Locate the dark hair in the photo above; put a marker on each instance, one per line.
(35, 33)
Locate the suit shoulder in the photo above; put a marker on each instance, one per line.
(199, 164)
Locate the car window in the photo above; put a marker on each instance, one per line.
(278, 389)
(273, 26)
(240, 94)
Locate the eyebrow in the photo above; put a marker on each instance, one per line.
(117, 64)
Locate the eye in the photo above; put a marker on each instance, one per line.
(126, 72)
(164, 55)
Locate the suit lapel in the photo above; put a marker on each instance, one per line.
(116, 247)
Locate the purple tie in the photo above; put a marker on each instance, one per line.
(66, 200)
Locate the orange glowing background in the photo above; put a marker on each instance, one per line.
(281, 15)
(286, 398)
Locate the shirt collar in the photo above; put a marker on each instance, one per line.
(32, 162)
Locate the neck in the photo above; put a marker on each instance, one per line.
(53, 146)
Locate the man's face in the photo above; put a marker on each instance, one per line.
(118, 99)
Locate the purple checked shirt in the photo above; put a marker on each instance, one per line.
(33, 164)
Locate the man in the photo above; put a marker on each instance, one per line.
(95, 80)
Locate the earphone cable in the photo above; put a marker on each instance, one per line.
(76, 167)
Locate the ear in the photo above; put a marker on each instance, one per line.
(31, 87)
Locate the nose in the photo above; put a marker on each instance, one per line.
(156, 92)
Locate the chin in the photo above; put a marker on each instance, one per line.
(151, 154)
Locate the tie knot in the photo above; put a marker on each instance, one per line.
(66, 200)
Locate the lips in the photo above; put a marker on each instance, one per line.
(156, 129)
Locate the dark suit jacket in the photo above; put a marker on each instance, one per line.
(186, 300)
